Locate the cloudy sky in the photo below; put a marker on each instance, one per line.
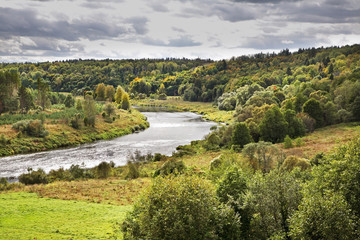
(47, 30)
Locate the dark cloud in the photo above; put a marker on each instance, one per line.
(183, 41)
(139, 24)
(27, 23)
(265, 1)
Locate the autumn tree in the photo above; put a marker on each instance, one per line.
(125, 101)
(100, 91)
(109, 92)
(118, 95)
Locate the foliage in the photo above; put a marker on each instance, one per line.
(288, 142)
(261, 155)
(125, 101)
(33, 177)
(292, 162)
(103, 170)
(313, 108)
(89, 111)
(69, 101)
(33, 128)
(270, 201)
(272, 127)
(170, 167)
(187, 206)
(118, 95)
(241, 135)
(323, 217)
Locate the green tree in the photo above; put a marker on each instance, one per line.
(241, 135)
(271, 199)
(273, 126)
(296, 127)
(125, 101)
(183, 207)
(100, 91)
(69, 101)
(261, 155)
(323, 217)
(26, 99)
(89, 111)
(313, 108)
(78, 105)
(109, 109)
(118, 95)
(43, 93)
(109, 92)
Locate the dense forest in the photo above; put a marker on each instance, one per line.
(252, 189)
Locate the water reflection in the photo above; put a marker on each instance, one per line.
(167, 131)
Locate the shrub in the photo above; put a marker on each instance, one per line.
(186, 207)
(288, 142)
(109, 109)
(292, 162)
(76, 172)
(132, 171)
(241, 135)
(33, 128)
(171, 167)
(33, 177)
(162, 96)
(103, 170)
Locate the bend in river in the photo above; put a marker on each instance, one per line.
(167, 131)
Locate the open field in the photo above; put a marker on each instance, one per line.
(27, 216)
(325, 140)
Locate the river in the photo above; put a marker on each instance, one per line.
(167, 131)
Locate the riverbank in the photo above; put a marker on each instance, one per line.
(206, 109)
(62, 135)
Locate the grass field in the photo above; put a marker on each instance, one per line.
(325, 140)
(26, 216)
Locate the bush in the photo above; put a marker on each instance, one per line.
(33, 177)
(103, 170)
(186, 207)
(288, 142)
(292, 162)
(132, 171)
(33, 128)
(171, 167)
(162, 96)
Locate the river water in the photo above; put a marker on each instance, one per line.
(167, 131)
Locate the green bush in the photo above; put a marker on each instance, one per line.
(171, 167)
(184, 207)
(33, 177)
(33, 128)
(288, 142)
(103, 170)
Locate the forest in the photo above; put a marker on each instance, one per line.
(250, 178)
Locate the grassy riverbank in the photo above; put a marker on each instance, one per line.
(63, 135)
(206, 109)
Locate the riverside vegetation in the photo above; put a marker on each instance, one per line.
(284, 166)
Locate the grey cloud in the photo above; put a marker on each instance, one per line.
(183, 41)
(265, 1)
(27, 23)
(139, 24)
(225, 11)
(178, 30)
(158, 7)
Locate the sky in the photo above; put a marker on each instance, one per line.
(49, 30)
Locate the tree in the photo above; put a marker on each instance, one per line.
(100, 92)
(109, 93)
(241, 135)
(89, 111)
(323, 217)
(183, 207)
(43, 92)
(162, 89)
(26, 99)
(273, 126)
(69, 101)
(261, 154)
(270, 200)
(296, 127)
(125, 101)
(118, 95)
(109, 109)
(313, 108)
